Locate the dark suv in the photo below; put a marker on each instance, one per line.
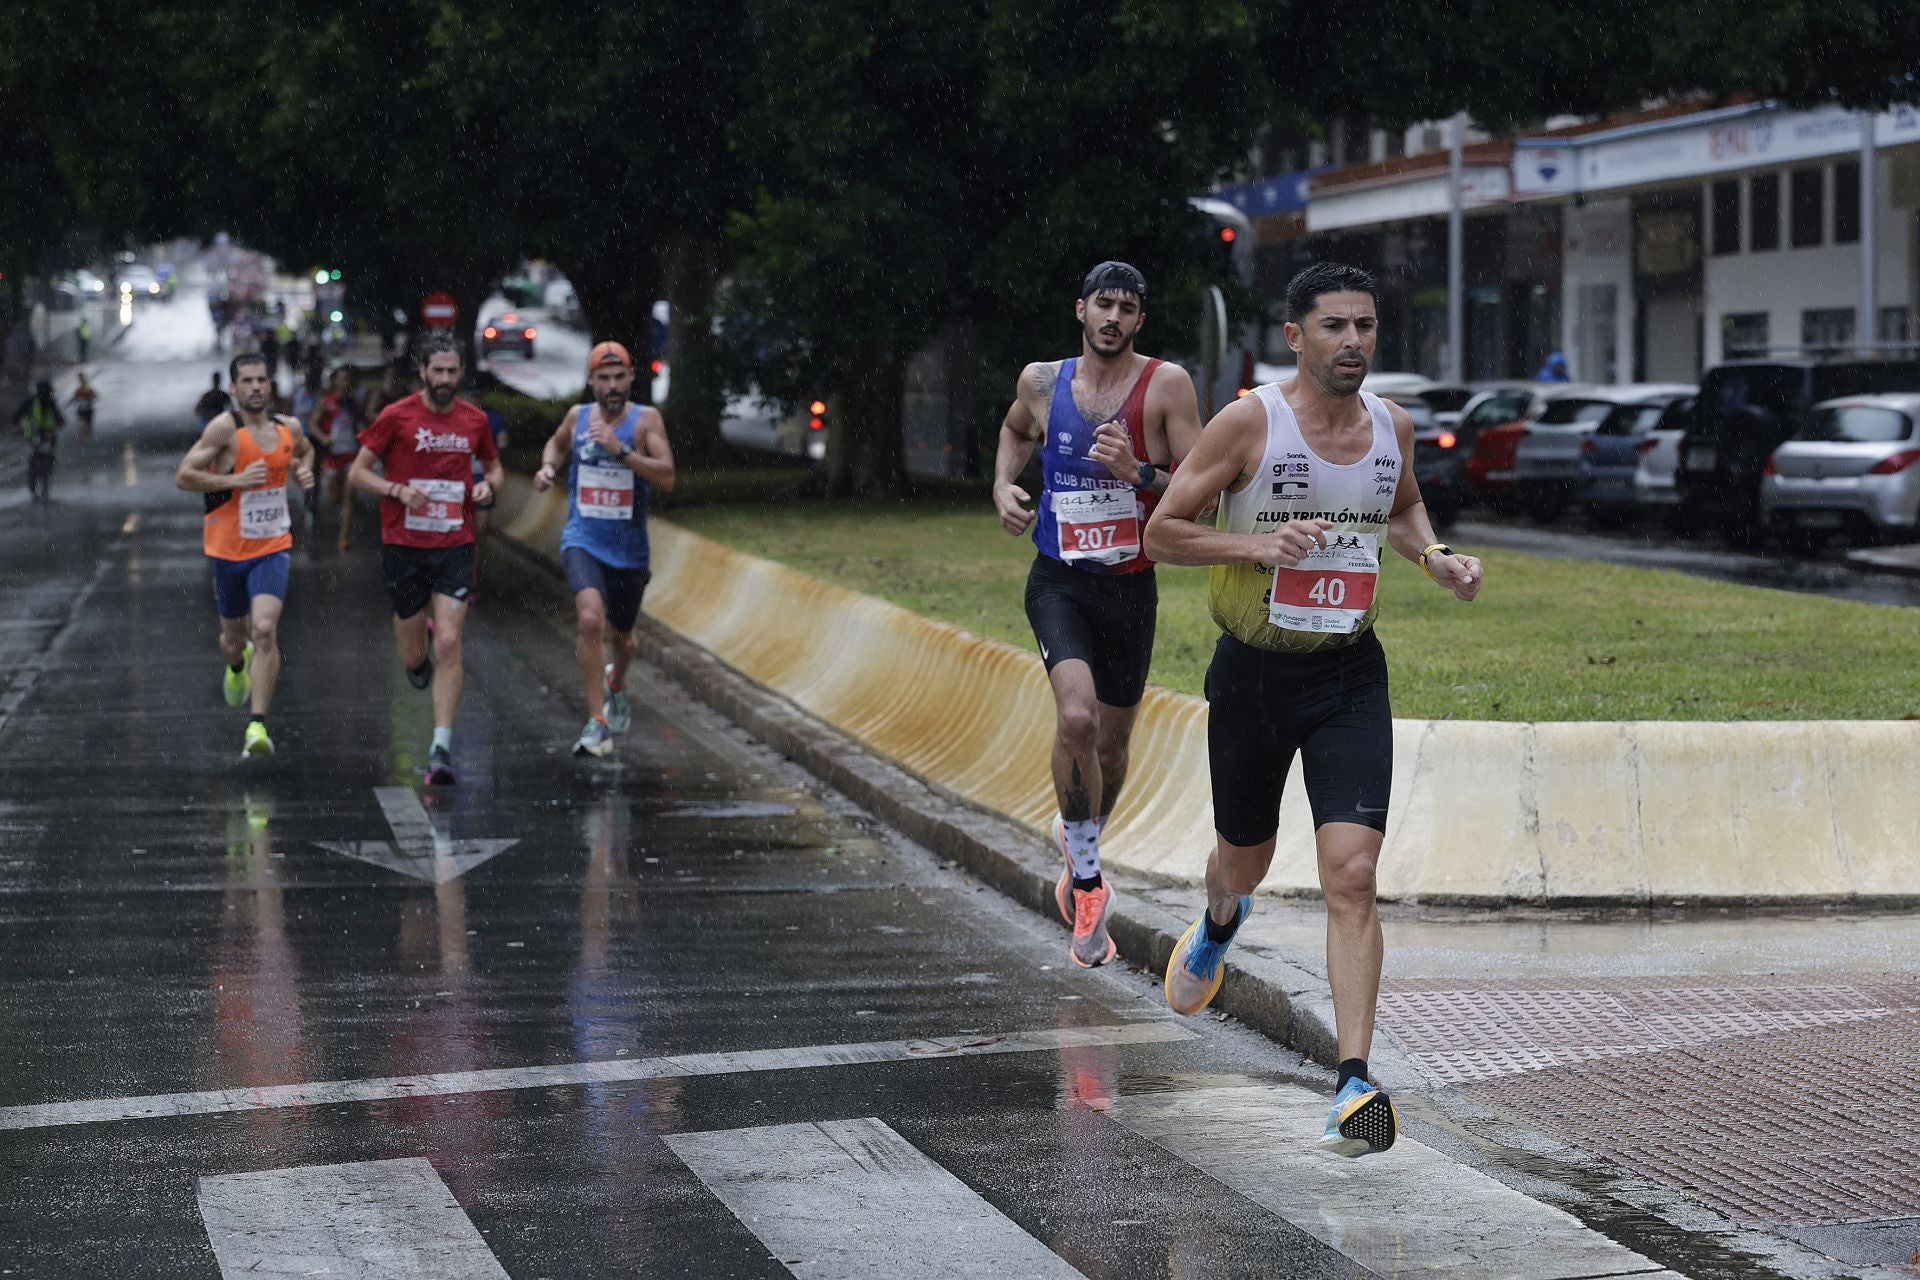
(1742, 414)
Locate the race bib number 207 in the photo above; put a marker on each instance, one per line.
(1101, 525)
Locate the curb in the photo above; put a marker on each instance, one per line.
(1286, 1003)
(1903, 561)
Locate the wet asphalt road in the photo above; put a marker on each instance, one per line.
(218, 972)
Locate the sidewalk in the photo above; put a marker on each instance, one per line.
(1903, 559)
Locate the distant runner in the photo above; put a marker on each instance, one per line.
(615, 452)
(83, 402)
(242, 462)
(426, 443)
(1111, 425)
(1311, 474)
(40, 420)
(337, 423)
(212, 403)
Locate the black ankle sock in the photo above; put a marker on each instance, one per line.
(1350, 1068)
(235, 668)
(261, 721)
(1085, 886)
(1217, 932)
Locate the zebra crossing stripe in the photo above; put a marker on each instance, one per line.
(46, 1115)
(852, 1200)
(389, 1218)
(1408, 1210)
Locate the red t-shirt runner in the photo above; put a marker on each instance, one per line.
(432, 452)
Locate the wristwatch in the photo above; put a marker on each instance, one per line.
(1441, 547)
(1147, 472)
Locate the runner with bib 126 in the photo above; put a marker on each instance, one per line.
(1311, 475)
(1111, 425)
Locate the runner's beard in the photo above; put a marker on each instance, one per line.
(612, 404)
(254, 403)
(1096, 339)
(441, 396)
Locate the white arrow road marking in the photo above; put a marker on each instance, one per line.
(1407, 1211)
(392, 1219)
(840, 1199)
(420, 848)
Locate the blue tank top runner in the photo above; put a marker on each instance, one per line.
(1066, 467)
(607, 500)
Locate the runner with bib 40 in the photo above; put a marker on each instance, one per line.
(1312, 475)
(1111, 425)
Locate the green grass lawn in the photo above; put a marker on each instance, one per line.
(1547, 640)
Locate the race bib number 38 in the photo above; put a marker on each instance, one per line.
(606, 493)
(1331, 590)
(1102, 525)
(445, 511)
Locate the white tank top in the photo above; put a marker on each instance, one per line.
(1327, 601)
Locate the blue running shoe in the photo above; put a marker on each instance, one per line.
(1363, 1119)
(1198, 964)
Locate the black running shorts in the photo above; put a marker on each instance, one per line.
(620, 589)
(1104, 619)
(1331, 707)
(415, 573)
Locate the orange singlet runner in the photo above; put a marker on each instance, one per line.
(244, 524)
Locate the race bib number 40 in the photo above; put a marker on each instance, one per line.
(606, 493)
(446, 506)
(1102, 525)
(263, 513)
(1331, 590)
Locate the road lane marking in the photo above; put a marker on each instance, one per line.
(46, 1115)
(1407, 1210)
(394, 1219)
(420, 848)
(29, 673)
(847, 1199)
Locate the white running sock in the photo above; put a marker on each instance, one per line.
(1083, 847)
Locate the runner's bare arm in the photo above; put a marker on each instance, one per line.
(1019, 433)
(1172, 426)
(1410, 529)
(652, 456)
(363, 477)
(1227, 456)
(303, 455)
(196, 472)
(553, 454)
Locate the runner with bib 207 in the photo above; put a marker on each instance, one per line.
(1312, 475)
(1111, 425)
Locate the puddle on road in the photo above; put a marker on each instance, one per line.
(725, 809)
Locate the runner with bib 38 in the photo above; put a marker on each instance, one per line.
(1111, 425)
(1312, 475)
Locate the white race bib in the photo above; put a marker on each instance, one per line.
(606, 493)
(446, 506)
(1330, 590)
(264, 514)
(1102, 525)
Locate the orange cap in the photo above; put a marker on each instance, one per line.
(606, 353)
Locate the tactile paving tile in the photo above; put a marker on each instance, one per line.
(1799, 1127)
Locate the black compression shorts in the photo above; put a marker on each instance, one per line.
(620, 589)
(1104, 619)
(1331, 707)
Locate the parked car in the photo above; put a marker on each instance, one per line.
(1442, 459)
(1652, 473)
(1447, 400)
(1743, 413)
(1546, 462)
(1489, 431)
(507, 332)
(1851, 468)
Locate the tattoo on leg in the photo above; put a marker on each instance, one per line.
(1076, 805)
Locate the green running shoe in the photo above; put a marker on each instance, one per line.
(258, 744)
(237, 685)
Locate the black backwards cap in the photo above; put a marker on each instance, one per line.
(1118, 276)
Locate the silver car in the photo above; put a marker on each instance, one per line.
(1850, 468)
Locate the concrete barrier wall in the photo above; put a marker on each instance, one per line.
(1483, 811)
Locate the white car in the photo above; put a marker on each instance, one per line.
(1546, 462)
(1851, 467)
